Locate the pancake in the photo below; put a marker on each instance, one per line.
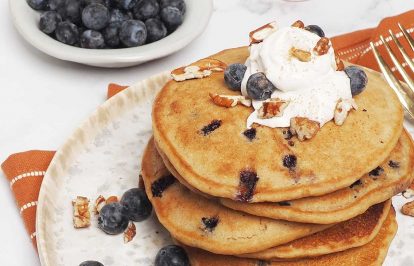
(370, 254)
(349, 234)
(202, 223)
(348, 202)
(215, 163)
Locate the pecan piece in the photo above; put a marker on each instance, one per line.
(298, 24)
(112, 199)
(304, 128)
(130, 232)
(339, 64)
(272, 108)
(99, 203)
(301, 55)
(342, 109)
(408, 209)
(259, 34)
(199, 69)
(230, 100)
(81, 214)
(322, 46)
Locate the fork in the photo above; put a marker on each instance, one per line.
(405, 93)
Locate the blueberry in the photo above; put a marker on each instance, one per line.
(146, 9)
(180, 4)
(172, 255)
(113, 219)
(137, 204)
(358, 79)
(156, 29)
(233, 76)
(110, 3)
(91, 263)
(315, 29)
(92, 39)
(67, 33)
(172, 17)
(72, 11)
(49, 21)
(127, 4)
(289, 161)
(95, 16)
(56, 5)
(133, 33)
(259, 87)
(111, 35)
(38, 4)
(117, 15)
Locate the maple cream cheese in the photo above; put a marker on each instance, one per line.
(312, 88)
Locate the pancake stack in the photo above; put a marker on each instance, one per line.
(232, 196)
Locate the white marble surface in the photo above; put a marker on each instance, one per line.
(43, 99)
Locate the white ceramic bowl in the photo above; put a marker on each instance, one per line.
(26, 21)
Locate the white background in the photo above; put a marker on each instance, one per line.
(42, 99)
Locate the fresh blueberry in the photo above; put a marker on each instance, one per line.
(315, 29)
(358, 79)
(56, 5)
(91, 263)
(172, 17)
(113, 219)
(146, 9)
(156, 30)
(133, 33)
(95, 16)
(38, 4)
(111, 35)
(259, 87)
(110, 3)
(49, 21)
(72, 11)
(67, 33)
(127, 4)
(137, 204)
(233, 76)
(180, 4)
(117, 15)
(92, 39)
(172, 255)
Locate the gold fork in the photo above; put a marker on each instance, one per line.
(405, 93)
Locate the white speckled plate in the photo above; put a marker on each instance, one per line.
(103, 156)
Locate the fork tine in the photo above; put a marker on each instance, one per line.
(398, 65)
(407, 58)
(402, 94)
(406, 35)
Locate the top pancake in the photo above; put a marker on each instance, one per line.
(335, 158)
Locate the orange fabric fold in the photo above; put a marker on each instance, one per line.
(25, 170)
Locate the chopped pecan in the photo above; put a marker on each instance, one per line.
(130, 232)
(258, 35)
(99, 203)
(339, 64)
(112, 199)
(272, 108)
(81, 214)
(409, 193)
(303, 128)
(298, 24)
(199, 69)
(322, 46)
(301, 55)
(341, 110)
(230, 100)
(408, 208)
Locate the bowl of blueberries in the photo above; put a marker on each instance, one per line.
(110, 33)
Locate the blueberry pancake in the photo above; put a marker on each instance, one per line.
(210, 147)
(202, 223)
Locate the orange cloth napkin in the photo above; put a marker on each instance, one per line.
(25, 170)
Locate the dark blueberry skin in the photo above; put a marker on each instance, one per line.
(289, 161)
(172, 255)
(113, 219)
(247, 185)
(180, 4)
(146, 9)
(156, 30)
(215, 124)
(111, 35)
(315, 29)
(133, 33)
(259, 87)
(116, 15)
(172, 17)
(38, 4)
(127, 4)
(137, 204)
(49, 21)
(56, 5)
(110, 3)
(233, 76)
(92, 39)
(91, 263)
(67, 33)
(72, 11)
(95, 16)
(358, 79)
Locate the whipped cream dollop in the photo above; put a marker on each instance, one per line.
(312, 88)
